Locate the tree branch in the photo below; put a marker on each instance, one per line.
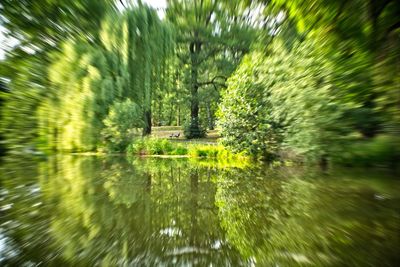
(213, 82)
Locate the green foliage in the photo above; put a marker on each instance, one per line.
(121, 122)
(303, 77)
(159, 146)
(213, 152)
(45, 23)
(18, 122)
(212, 38)
(281, 100)
(193, 129)
(381, 151)
(87, 80)
(179, 150)
(154, 146)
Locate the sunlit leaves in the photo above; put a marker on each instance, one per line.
(280, 100)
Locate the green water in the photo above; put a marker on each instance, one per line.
(111, 211)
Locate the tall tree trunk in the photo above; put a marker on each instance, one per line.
(147, 93)
(194, 131)
(194, 100)
(147, 122)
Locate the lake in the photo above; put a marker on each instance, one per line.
(114, 211)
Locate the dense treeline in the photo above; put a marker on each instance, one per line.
(97, 93)
(326, 87)
(301, 79)
(106, 85)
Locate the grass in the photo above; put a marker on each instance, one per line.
(156, 146)
(160, 146)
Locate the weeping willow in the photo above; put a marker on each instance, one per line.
(87, 78)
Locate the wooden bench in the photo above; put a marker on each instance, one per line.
(175, 135)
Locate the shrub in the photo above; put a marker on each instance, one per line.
(120, 124)
(136, 147)
(383, 150)
(152, 146)
(157, 146)
(180, 150)
(264, 111)
(193, 129)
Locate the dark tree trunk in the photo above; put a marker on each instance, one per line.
(194, 101)
(147, 123)
(194, 131)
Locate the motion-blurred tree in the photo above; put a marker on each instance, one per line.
(87, 79)
(208, 32)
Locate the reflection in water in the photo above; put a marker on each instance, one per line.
(85, 211)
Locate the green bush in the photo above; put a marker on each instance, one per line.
(180, 150)
(381, 151)
(158, 146)
(281, 100)
(136, 147)
(193, 129)
(153, 146)
(120, 124)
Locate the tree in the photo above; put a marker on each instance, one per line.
(38, 29)
(87, 79)
(282, 99)
(208, 30)
(363, 47)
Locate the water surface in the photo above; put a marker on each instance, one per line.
(113, 211)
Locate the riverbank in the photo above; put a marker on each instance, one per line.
(166, 148)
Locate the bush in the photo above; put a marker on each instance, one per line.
(180, 150)
(193, 129)
(157, 146)
(120, 124)
(381, 151)
(152, 146)
(281, 100)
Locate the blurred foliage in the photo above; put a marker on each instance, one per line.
(334, 78)
(212, 37)
(41, 25)
(281, 99)
(107, 73)
(122, 119)
(381, 151)
(295, 78)
(72, 93)
(193, 128)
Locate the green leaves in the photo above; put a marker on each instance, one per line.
(105, 88)
(280, 101)
(121, 124)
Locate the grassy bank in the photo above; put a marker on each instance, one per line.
(159, 146)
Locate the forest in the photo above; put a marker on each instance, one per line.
(306, 81)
